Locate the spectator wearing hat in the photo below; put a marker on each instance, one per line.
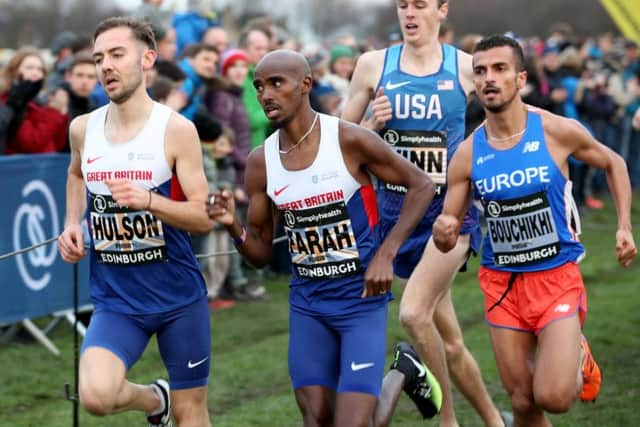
(80, 80)
(62, 49)
(341, 64)
(224, 102)
(34, 128)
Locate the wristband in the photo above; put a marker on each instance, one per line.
(239, 241)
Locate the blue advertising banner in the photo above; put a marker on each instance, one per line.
(39, 282)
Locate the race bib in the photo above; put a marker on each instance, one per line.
(125, 237)
(425, 149)
(322, 242)
(522, 231)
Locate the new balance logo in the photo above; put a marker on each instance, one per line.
(562, 308)
(360, 366)
(392, 86)
(531, 147)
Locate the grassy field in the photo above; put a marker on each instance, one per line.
(249, 384)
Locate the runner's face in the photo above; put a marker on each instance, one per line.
(121, 61)
(496, 78)
(279, 93)
(420, 19)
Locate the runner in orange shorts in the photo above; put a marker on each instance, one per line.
(535, 301)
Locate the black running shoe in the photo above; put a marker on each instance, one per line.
(419, 383)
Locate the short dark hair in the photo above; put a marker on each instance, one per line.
(80, 59)
(170, 70)
(498, 40)
(192, 50)
(140, 29)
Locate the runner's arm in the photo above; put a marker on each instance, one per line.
(360, 90)
(76, 190)
(71, 241)
(465, 71)
(183, 145)
(374, 155)
(598, 155)
(585, 148)
(456, 201)
(257, 244)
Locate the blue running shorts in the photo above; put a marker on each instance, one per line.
(184, 340)
(343, 352)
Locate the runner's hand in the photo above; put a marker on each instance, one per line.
(625, 247)
(381, 109)
(71, 244)
(445, 232)
(379, 275)
(126, 193)
(221, 207)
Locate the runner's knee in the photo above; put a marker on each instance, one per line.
(555, 400)
(522, 401)
(454, 350)
(316, 414)
(98, 398)
(414, 319)
(191, 411)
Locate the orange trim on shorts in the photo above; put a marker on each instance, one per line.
(536, 298)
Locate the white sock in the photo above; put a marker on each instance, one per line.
(161, 408)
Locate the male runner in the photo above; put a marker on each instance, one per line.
(315, 171)
(535, 300)
(420, 91)
(144, 277)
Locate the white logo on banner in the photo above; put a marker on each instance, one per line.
(32, 216)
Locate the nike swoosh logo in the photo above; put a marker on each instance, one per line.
(193, 365)
(359, 366)
(90, 160)
(391, 86)
(278, 192)
(418, 365)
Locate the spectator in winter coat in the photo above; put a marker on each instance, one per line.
(34, 128)
(199, 66)
(224, 102)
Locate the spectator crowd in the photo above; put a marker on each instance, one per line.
(205, 72)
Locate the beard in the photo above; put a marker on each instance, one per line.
(502, 106)
(127, 91)
(279, 124)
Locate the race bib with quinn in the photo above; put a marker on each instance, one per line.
(122, 236)
(425, 149)
(322, 242)
(521, 231)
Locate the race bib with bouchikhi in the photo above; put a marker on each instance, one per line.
(521, 231)
(122, 236)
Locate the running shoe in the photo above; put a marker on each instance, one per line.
(419, 383)
(591, 375)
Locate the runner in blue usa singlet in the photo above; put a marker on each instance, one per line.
(426, 128)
